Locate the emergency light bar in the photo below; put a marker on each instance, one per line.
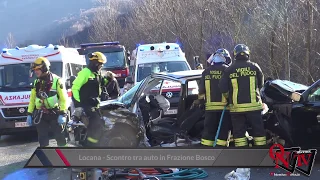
(4, 50)
(99, 44)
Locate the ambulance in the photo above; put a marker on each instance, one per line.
(161, 58)
(16, 83)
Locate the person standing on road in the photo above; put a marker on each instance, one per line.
(215, 102)
(113, 88)
(48, 103)
(86, 93)
(242, 82)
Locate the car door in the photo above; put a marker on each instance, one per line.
(150, 86)
(138, 93)
(307, 115)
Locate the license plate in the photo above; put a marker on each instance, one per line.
(21, 124)
(171, 111)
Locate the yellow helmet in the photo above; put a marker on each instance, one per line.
(98, 56)
(41, 63)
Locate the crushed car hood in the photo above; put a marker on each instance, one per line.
(280, 90)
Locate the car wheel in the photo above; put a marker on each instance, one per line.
(122, 135)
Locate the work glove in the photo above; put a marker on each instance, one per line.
(78, 112)
(62, 119)
(29, 120)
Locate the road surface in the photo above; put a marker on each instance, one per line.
(16, 150)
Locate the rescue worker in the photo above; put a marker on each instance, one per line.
(47, 109)
(241, 83)
(113, 87)
(128, 84)
(215, 102)
(86, 92)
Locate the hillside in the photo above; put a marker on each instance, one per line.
(42, 21)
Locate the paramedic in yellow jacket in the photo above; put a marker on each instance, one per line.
(48, 103)
(86, 93)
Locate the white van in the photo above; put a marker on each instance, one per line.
(16, 83)
(162, 58)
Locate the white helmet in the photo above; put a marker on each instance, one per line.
(216, 58)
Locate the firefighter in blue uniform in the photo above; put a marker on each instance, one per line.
(241, 83)
(215, 102)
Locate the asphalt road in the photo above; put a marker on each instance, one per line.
(16, 150)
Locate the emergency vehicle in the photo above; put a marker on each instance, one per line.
(117, 58)
(162, 58)
(16, 83)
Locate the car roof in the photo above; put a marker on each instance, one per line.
(180, 76)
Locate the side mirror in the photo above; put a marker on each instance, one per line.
(70, 81)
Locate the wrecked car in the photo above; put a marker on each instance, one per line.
(293, 118)
(123, 117)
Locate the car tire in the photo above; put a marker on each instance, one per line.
(121, 135)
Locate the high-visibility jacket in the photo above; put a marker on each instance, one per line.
(86, 86)
(209, 87)
(55, 91)
(243, 81)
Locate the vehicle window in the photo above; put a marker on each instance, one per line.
(314, 94)
(193, 87)
(172, 66)
(67, 70)
(16, 77)
(153, 88)
(76, 68)
(126, 98)
(114, 59)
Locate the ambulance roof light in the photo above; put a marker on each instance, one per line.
(49, 45)
(17, 48)
(4, 50)
(99, 44)
(56, 47)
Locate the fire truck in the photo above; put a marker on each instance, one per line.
(117, 58)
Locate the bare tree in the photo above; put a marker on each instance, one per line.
(280, 33)
(10, 42)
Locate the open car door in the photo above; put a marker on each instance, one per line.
(306, 114)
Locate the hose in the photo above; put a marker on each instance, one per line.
(194, 173)
(220, 123)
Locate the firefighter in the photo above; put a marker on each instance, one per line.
(47, 109)
(86, 92)
(215, 102)
(241, 83)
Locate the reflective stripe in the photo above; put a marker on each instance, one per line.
(221, 142)
(92, 140)
(216, 107)
(207, 142)
(213, 105)
(208, 91)
(234, 83)
(260, 141)
(239, 142)
(244, 107)
(253, 89)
